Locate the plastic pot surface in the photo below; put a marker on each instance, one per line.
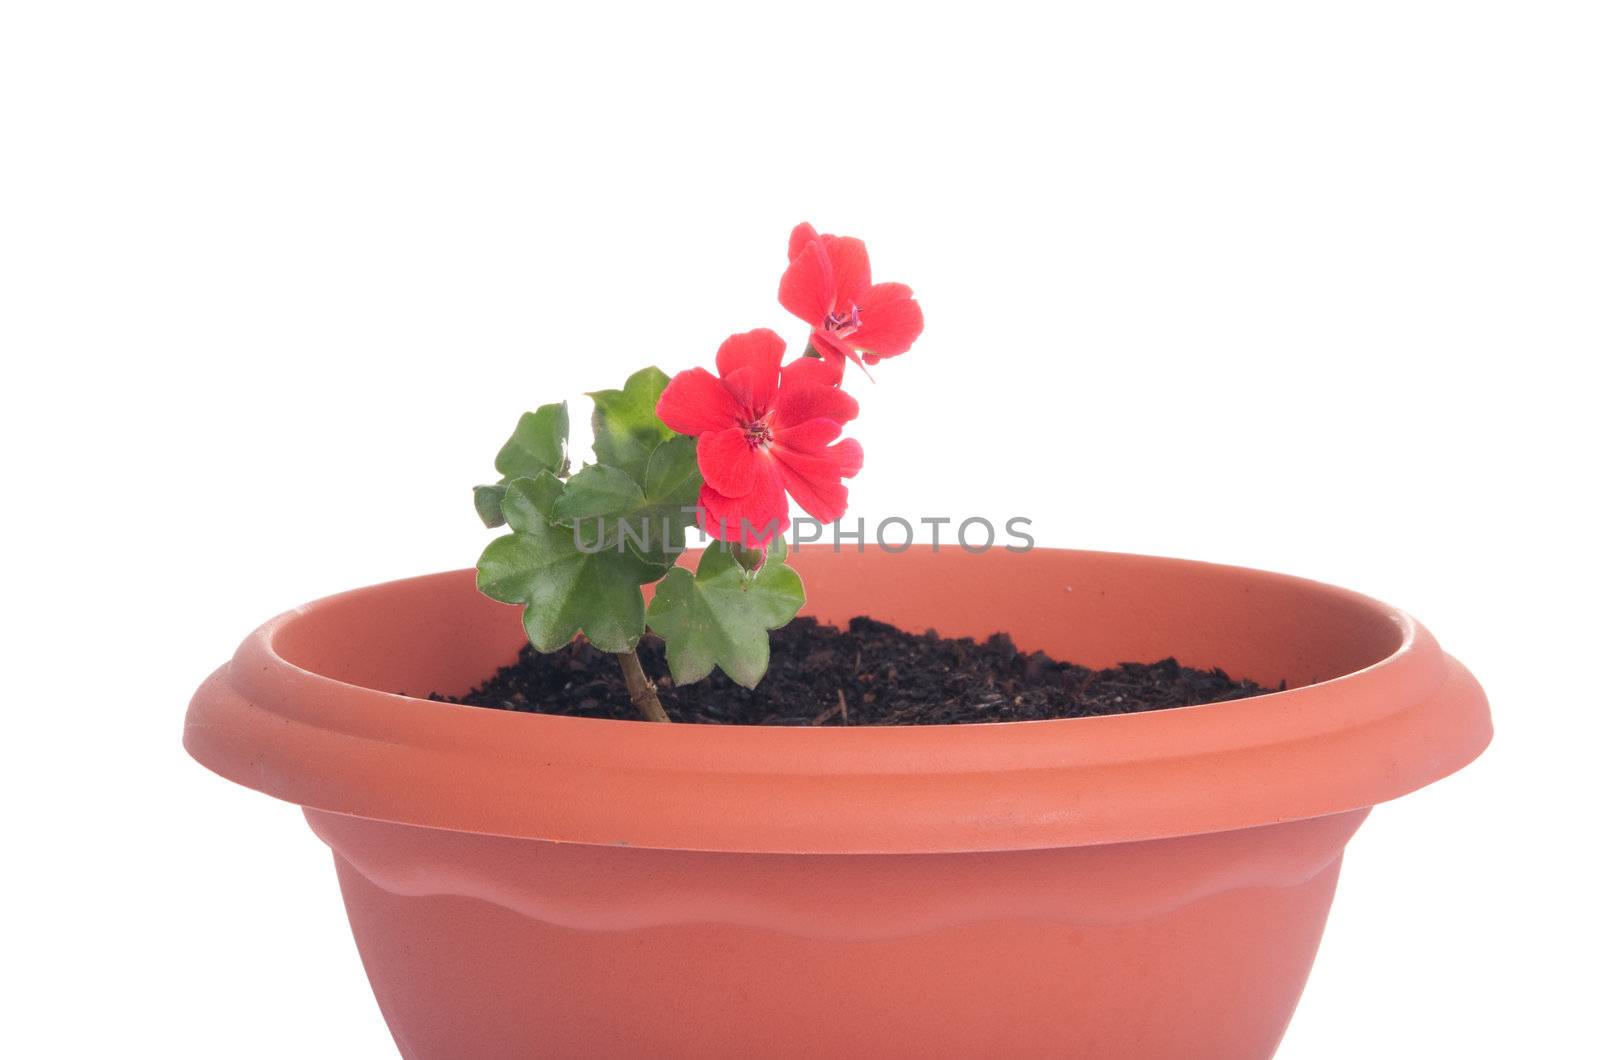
(1136, 887)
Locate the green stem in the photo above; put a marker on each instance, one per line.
(640, 688)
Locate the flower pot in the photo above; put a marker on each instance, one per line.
(1140, 886)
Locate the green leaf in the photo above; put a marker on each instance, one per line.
(533, 497)
(562, 589)
(597, 490)
(538, 444)
(602, 501)
(720, 616)
(672, 478)
(626, 427)
(672, 489)
(487, 500)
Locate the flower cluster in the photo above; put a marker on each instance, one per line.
(767, 431)
(729, 450)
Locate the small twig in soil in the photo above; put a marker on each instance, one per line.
(831, 712)
(840, 710)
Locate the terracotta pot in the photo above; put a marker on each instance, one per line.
(1143, 886)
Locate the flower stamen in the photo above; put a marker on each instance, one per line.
(844, 323)
(758, 433)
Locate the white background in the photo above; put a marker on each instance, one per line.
(1303, 287)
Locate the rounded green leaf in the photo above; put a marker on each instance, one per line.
(538, 444)
(721, 615)
(562, 588)
(487, 500)
(672, 477)
(626, 427)
(599, 490)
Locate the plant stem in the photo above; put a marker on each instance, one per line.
(640, 688)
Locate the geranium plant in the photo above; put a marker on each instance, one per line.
(724, 451)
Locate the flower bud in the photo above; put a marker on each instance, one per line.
(749, 558)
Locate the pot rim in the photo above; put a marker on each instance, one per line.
(1342, 744)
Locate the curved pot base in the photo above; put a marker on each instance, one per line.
(1193, 947)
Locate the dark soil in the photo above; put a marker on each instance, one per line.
(868, 674)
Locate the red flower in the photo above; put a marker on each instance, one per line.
(829, 285)
(766, 433)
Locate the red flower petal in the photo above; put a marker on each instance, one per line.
(891, 320)
(754, 390)
(852, 273)
(754, 519)
(835, 349)
(797, 404)
(808, 437)
(749, 364)
(761, 349)
(728, 463)
(803, 233)
(806, 289)
(695, 402)
(812, 479)
(814, 371)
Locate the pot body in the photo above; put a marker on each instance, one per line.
(1138, 887)
(1187, 948)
